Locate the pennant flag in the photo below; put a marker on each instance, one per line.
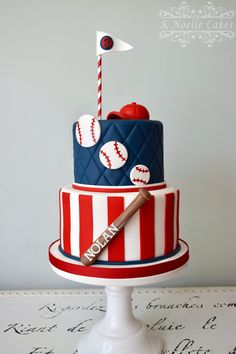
(107, 43)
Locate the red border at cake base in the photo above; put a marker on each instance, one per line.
(118, 272)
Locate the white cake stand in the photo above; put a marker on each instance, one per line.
(119, 332)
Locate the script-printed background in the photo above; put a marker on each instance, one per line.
(48, 79)
(190, 320)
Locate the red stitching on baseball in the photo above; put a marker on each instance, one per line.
(116, 146)
(79, 132)
(141, 169)
(106, 157)
(138, 180)
(92, 126)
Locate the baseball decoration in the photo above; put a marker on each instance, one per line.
(140, 175)
(113, 155)
(88, 130)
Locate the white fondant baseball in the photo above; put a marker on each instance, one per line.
(140, 175)
(113, 155)
(88, 130)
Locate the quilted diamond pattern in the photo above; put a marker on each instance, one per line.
(142, 139)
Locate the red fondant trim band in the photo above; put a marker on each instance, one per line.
(169, 222)
(66, 221)
(119, 272)
(147, 230)
(116, 249)
(60, 218)
(85, 222)
(116, 190)
(177, 217)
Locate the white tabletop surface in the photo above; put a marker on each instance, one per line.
(190, 320)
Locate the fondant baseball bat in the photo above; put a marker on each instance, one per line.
(94, 251)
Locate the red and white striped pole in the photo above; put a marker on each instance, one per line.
(99, 87)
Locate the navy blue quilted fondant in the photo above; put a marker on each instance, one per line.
(143, 140)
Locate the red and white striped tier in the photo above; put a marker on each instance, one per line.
(85, 212)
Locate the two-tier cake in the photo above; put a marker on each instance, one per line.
(113, 159)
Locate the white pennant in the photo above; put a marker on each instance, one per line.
(117, 46)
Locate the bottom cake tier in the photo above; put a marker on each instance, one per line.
(149, 236)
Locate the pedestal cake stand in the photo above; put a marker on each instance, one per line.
(119, 331)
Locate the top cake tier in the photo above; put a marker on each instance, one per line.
(134, 142)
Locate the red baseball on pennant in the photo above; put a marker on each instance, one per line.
(106, 42)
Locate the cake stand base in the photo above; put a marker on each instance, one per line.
(119, 331)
